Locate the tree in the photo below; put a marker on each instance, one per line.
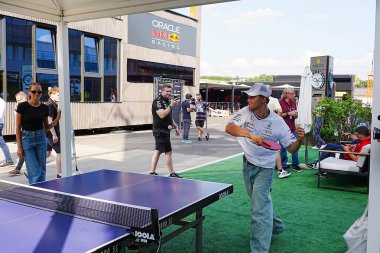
(261, 78)
(360, 83)
(342, 116)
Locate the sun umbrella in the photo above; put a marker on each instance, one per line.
(304, 119)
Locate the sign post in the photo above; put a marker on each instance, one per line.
(177, 92)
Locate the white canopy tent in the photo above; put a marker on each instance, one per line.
(77, 10)
(64, 11)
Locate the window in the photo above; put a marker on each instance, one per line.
(19, 56)
(91, 60)
(74, 52)
(110, 69)
(75, 88)
(47, 81)
(75, 64)
(2, 49)
(45, 48)
(144, 72)
(92, 89)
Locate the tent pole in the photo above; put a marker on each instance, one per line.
(64, 94)
(373, 243)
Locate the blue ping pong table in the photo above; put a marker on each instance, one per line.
(27, 228)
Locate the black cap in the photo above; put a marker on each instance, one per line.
(188, 96)
(362, 130)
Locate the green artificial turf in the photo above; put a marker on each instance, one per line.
(315, 219)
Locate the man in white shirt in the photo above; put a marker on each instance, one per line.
(275, 107)
(3, 145)
(253, 125)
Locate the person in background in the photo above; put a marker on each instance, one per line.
(31, 125)
(20, 98)
(363, 138)
(3, 145)
(201, 116)
(289, 114)
(113, 96)
(162, 124)
(318, 124)
(253, 125)
(187, 108)
(275, 107)
(53, 136)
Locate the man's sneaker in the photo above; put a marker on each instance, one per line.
(311, 165)
(14, 172)
(283, 174)
(59, 176)
(207, 136)
(187, 141)
(174, 175)
(199, 139)
(7, 163)
(297, 168)
(153, 173)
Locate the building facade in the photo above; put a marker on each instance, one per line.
(112, 63)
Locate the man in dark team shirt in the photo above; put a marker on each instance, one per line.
(162, 124)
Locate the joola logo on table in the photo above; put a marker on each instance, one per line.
(144, 235)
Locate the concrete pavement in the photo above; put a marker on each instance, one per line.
(132, 151)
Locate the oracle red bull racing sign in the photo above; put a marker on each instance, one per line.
(148, 30)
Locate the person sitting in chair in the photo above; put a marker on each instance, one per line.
(363, 136)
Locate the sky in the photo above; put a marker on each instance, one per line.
(251, 37)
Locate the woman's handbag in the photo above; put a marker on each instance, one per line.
(356, 235)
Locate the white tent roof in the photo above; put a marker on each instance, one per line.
(76, 10)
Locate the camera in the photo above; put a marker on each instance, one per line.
(176, 97)
(192, 101)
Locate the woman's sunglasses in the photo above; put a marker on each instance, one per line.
(36, 92)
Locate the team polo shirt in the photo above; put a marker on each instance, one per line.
(272, 128)
(201, 109)
(161, 103)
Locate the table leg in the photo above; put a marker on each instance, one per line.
(198, 233)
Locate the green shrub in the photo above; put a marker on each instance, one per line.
(341, 116)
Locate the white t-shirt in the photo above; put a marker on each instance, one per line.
(274, 104)
(272, 128)
(3, 106)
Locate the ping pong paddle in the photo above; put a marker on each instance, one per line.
(272, 145)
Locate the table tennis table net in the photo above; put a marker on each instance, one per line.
(117, 214)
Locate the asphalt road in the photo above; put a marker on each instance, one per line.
(132, 151)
